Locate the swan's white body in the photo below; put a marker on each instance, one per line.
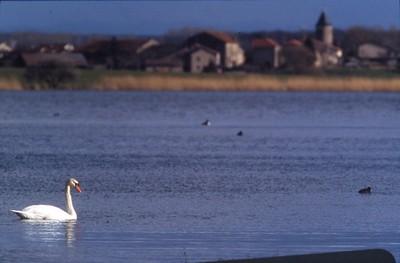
(49, 212)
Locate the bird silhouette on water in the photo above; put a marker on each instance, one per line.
(206, 123)
(240, 133)
(366, 190)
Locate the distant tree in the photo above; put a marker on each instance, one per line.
(49, 75)
(114, 53)
(298, 59)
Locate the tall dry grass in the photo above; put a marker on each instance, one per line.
(227, 83)
(247, 82)
(10, 84)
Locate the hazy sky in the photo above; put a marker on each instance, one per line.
(157, 17)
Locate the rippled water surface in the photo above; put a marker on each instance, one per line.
(159, 187)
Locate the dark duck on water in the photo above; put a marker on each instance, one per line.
(366, 190)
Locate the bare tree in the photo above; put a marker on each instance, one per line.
(49, 75)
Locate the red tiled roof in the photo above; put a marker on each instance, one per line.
(294, 43)
(263, 43)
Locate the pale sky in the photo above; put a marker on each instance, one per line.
(157, 17)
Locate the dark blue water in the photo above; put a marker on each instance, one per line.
(159, 187)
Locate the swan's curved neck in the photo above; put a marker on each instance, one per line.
(68, 199)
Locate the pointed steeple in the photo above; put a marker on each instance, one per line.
(324, 30)
(323, 21)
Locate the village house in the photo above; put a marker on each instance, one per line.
(232, 55)
(374, 56)
(65, 59)
(265, 54)
(198, 59)
(57, 53)
(7, 53)
(6, 47)
(53, 48)
(169, 58)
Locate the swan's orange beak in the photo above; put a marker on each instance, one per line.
(78, 188)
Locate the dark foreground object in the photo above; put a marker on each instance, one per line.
(359, 256)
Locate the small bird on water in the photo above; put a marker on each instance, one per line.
(240, 133)
(366, 190)
(206, 123)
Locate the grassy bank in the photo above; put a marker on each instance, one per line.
(12, 79)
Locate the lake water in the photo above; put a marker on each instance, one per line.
(159, 187)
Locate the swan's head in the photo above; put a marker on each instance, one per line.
(72, 182)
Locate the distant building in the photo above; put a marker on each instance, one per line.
(372, 51)
(69, 47)
(326, 53)
(232, 55)
(324, 30)
(194, 59)
(53, 48)
(374, 56)
(198, 59)
(6, 47)
(116, 53)
(265, 53)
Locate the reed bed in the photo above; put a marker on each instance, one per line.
(10, 84)
(247, 82)
(243, 82)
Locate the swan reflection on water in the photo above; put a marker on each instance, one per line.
(50, 231)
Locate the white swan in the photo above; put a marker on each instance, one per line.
(49, 212)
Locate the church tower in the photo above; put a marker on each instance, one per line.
(324, 30)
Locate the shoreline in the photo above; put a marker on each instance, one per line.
(106, 80)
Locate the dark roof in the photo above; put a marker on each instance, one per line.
(171, 55)
(224, 37)
(323, 20)
(129, 45)
(217, 35)
(68, 59)
(160, 51)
